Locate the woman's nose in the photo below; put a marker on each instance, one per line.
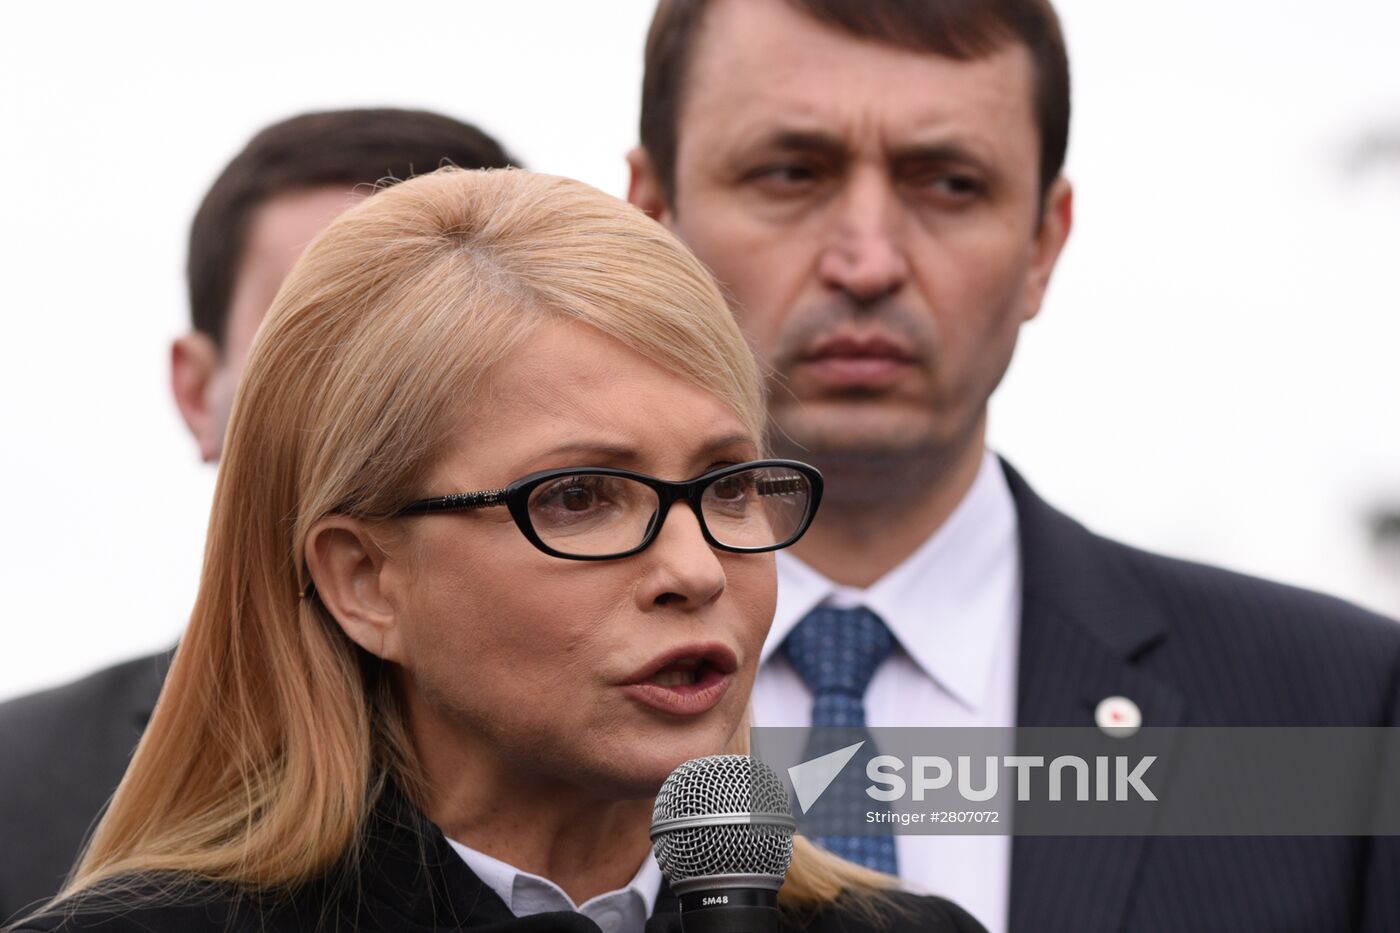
(685, 572)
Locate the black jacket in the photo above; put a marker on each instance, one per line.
(410, 879)
(62, 754)
(1193, 646)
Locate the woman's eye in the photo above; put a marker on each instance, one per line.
(730, 489)
(576, 498)
(570, 495)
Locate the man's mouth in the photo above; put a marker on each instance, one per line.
(857, 362)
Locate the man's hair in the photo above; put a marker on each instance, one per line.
(336, 147)
(958, 29)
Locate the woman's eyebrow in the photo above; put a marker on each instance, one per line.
(601, 449)
(609, 452)
(724, 443)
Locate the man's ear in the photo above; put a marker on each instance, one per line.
(1050, 239)
(348, 570)
(195, 365)
(644, 189)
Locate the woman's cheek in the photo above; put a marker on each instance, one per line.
(752, 583)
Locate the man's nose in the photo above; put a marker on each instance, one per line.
(864, 255)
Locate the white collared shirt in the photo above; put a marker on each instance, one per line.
(954, 606)
(622, 911)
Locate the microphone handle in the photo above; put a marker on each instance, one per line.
(730, 910)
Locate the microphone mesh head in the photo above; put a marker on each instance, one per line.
(722, 784)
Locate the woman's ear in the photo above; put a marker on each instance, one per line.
(350, 572)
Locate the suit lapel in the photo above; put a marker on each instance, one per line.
(1086, 622)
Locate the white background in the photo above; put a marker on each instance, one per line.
(1214, 374)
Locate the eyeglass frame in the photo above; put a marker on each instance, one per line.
(516, 497)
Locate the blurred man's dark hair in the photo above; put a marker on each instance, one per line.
(349, 147)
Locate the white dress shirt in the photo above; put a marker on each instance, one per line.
(622, 911)
(954, 606)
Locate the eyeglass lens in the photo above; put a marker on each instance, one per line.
(593, 514)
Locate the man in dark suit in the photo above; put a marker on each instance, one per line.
(877, 185)
(63, 751)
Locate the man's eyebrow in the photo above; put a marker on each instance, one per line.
(803, 141)
(949, 151)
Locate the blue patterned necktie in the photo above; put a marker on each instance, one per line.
(836, 652)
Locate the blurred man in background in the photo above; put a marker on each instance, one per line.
(64, 750)
(877, 185)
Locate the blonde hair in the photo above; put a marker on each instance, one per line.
(274, 734)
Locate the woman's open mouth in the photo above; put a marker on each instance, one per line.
(687, 682)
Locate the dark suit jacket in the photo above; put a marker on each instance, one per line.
(62, 754)
(410, 879)
(1194, 646)
(1191, 645)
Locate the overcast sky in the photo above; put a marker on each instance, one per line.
(1213, 375)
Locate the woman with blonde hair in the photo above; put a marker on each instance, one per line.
(451, 635)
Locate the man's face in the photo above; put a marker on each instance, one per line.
(874, 215)
(205, 379)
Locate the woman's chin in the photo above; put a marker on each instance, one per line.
(659, 759)
(638, 766)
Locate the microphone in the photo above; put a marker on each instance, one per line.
(722, 833)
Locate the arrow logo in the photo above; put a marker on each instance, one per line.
(810, 779)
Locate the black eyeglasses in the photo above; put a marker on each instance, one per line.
(598, 513)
